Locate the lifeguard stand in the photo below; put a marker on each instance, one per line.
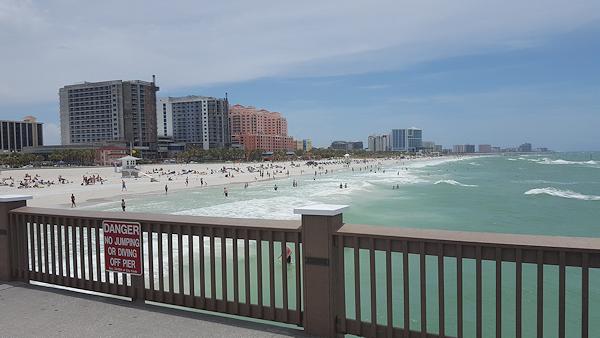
(128, 168)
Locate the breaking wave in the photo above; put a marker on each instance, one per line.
(562, 193)
(453, 182)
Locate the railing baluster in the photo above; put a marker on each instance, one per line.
(46, 249)
(81, 283)
(459, 292)
(191, 275)
(55, 263)
(38, 230)
(478, 292)
(74, 254)
(90, 268)
(236, 276)
(181, 293)
(585, 294)
(498, 292)
(161, 277)
(299, 284)
(561, 293)
(151, 261)
(540, 293)
(342, 302)
(259, 272)
(271, 260)
(373, 283)
(97, 225)
(357, 285)
(519, 292)
(171, 294)
(213, 278)
(441, 288)
(390, 290)
(224, 269)
(202, 267)
(61, 268)
(247, 272)
(423, 290)
(406, 289)
(284, 284)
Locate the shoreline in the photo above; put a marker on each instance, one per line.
(58, 195)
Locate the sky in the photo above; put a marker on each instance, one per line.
(465, 72)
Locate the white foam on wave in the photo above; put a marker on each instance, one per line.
(562, 193)
(264, 208)
(453, 182)
(546, 160)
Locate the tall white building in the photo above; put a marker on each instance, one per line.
(195, 119)
(92, 112)
(379, 142)
(407, 139)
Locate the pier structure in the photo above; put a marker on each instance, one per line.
(364, 280)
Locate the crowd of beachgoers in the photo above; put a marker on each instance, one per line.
(52, 187)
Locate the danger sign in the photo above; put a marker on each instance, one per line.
(122, 247)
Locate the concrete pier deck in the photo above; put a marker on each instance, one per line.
(36, 311)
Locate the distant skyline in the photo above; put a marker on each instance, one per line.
(498, 72)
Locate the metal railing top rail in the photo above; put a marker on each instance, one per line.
(471, 238)
(225, 222)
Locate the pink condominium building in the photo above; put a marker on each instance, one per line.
(259, 129)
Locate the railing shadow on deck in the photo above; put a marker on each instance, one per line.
(363, 280)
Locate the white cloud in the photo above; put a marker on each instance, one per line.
(46, 45)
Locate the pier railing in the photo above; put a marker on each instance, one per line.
(364, 280)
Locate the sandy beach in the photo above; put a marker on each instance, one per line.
(109, 186)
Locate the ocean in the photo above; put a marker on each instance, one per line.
(556, 194)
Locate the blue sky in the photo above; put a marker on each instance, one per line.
(495, 72)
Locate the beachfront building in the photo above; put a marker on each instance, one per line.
(379, 142)
(485, 148)
(15, 135)
(96, 112)
(428, 145)
(463, 148)
(408, 140)
(195, 120)
(343, 145)
(305, 145)
(109, 156)
(525, 148)
(259, 129)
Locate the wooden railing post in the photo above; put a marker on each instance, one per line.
(7, 203)
(322, 287)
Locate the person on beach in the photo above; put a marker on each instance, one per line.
(123, 187)
(186, 181)
(246, 185)
(73, 201)
(275, 186)
(123, 204)
(166, 189)
(225, 191)
(288, 254)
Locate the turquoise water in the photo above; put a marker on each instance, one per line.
(546, 194)
(542, 194)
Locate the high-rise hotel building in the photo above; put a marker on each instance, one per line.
(406, 139)
(259, 129)
(15, 135)
(196, 120)
(93, 112)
